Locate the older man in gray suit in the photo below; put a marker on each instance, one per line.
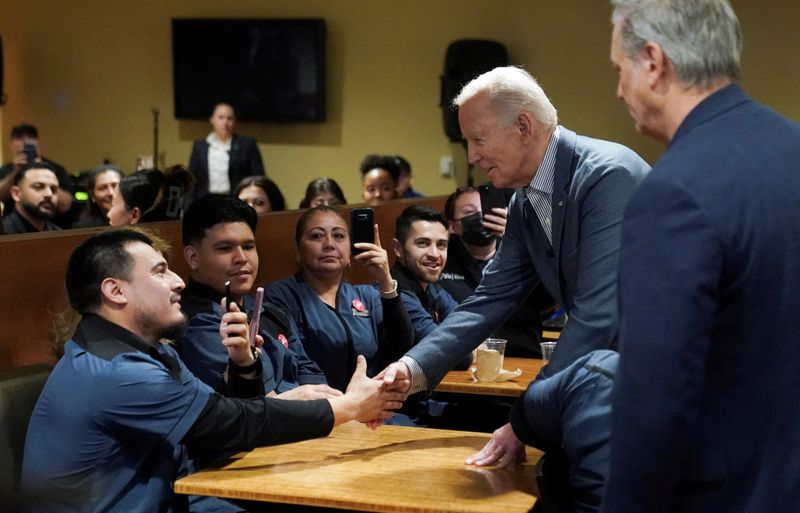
(563, 231)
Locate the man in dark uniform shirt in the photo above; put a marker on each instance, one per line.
(35, 194)
(26, 150)
(120, 412)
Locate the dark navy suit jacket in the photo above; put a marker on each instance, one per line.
(570, 412)
(593, 182)
(245, 160)
(706, 411)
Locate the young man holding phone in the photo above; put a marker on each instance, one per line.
(119, 414)
(220, 248)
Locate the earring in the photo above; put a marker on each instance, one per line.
(194, 268)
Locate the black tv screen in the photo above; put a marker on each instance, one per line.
(268, 69)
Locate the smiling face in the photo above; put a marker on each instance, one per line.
(226, 253)
(499, 148)
(378, 187)
(105, 188)
(257, 198)
(324, 246)
(424, 252)
(152, 292)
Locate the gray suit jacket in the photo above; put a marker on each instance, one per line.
(592, 184)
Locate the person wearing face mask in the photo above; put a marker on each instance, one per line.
(474, 239)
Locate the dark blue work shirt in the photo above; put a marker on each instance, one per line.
(286, 364)
(427, 307)
(333, 337)
(120, 407)
(569, 412)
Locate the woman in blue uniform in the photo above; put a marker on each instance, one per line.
(336, 319)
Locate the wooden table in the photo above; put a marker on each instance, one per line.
(462, 381)
(391, 469)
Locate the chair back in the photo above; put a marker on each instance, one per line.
(19, 391)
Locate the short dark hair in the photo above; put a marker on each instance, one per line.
(33, 165)
(303, 221)
(319, 185)
(403, 164)
(270, 188)
(212, 210)
(385, 162)
(450, 204)
(24, 130)
(99, 257)
(413, 214)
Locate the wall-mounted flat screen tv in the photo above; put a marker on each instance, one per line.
(269, 69)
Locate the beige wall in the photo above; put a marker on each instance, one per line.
(87, 73)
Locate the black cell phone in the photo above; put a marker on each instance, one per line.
(362, 226)
(491, 197)
(228, 295)
(30, 152)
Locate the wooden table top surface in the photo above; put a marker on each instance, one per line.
(391, 469)
(463, 382)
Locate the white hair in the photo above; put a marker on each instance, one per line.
(701, 38)
(511, 90)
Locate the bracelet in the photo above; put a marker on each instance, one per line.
(391, 294)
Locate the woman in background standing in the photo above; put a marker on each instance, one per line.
(223, 158)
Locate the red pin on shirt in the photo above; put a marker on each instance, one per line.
(283, 340)
(358, 305)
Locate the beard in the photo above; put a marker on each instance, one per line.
(421, 275)
(154, 329)
(37, 212)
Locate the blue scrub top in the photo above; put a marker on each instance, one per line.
(284, 367)
(105, 435)
(334, 337)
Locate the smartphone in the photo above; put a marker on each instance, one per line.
(228, 295)
(362, 227)
(491, 197)
(30, 152)
(256, 316)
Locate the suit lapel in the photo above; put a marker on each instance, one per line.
(562, 178)
(234, 153)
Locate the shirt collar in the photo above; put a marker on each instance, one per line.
(542, 181)
(405, 281)
(201, 290)
(216, 143)
(106, 340)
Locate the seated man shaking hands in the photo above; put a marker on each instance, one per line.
(113, 426)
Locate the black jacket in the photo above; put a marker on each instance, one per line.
(245, 160)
